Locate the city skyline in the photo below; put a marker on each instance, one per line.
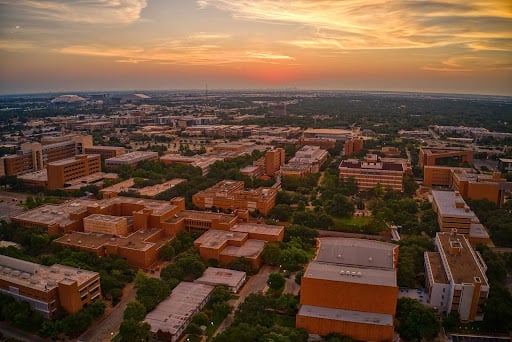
(444, 46)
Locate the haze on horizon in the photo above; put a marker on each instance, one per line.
(437, 46)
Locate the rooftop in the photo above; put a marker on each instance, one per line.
(357, 252)
(250, 249)
(214, 238)
(258, 228)
(133, 156)
(351, 274)
(40, 277)
(73, 159)
(445, 202)
(221, 276)
(346, 315)
(436, 265)
(464, 265)
(174, 312)
(203, 215)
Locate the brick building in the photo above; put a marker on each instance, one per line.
(350, 288)
(232, 195)
(453, 213)
(105, 151)
(274, 159)
(435, 156)
(65, 170)
(455, 277)
(373, 171)
(130, 159)
(48, 288)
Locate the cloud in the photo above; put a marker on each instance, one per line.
(15, 45)
(468, 64)
(380, 24)
(184, 52)
(88, 11)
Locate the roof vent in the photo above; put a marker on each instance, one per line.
(353, 274)
(370, 259)
(359, 274)
(342, 272)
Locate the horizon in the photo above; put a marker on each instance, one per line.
(53, 46)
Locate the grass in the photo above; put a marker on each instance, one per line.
(351, 224)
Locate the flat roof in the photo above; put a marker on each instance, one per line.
(136, 240)
(436, 265)
(250, 249)
(203, 215)
(54, 213)
(214, 238)
(104, 218)
(40, 277)
(119, 187)
(357, 252)
(158, 188)
(258, 228)
(346, 315)
(132, 156)
(221, 276)
(174, 312)
(73, 159)
(464, 266)
(351, 274)
(41, 176)
(445, 202)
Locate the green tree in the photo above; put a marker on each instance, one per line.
(276, 281)
(135, 311)
(416, 321)
(271, 253)
(167, 252)
(134, 331)
(150, 291)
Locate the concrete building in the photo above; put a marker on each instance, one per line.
(336, 134)
(435, 156)
(350, 288)
(170, 318)
(373, 171)
(149, 191)
(48, 289)
(130, 159)
(232, 195)
(213, 276)
(455, 277)
(199, 160)
(105, 151)
(65, 170)
(309, 159)
(454, 214)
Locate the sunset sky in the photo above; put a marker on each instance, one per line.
(438, 46)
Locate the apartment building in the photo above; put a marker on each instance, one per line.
(350, 288)
(455, 277)
(65, 170)
(48, 288)
(372, 171)
(130, 159)
(454, 214)
(274, 160)
(353, 146)
(232, 195)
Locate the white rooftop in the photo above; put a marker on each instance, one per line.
(346, 315)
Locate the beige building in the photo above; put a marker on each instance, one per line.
(455, 277)
(106, 224)
(48, 289)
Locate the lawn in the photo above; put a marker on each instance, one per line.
(354, 224)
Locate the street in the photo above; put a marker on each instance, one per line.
(102, 331)
(9, 331)
(255, 284)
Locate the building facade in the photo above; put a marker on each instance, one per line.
(48, 288)
(372, 171)
(62, 171)
(350, 288)
(455, 277)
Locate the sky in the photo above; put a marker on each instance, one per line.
(456, 46)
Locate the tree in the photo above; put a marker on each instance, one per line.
(271, 253)
(150, 291)
(292, 258)
(240, 264)
(134, 311)
(416, 321)
(167, 252)
(134, 331)
(340, 206)
(282, 212)
(276, 281)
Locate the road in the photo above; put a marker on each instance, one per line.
(9, 204)
(255, 284)
(102, 331)
(8, 331)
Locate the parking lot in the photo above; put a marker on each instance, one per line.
(10, 204)
(418, 294)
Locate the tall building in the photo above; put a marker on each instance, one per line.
(454, 214)
(372, 171)
(274, 159)
(65, 170)
(350, 288)
(353, 146)
(455, 277)
(48, 289)
(232, 195)
(309, 159)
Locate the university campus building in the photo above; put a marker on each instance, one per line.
(350, 288)
(48, 288)
(372, 171)
(455, 277)
(232, 195)
(453, 214)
